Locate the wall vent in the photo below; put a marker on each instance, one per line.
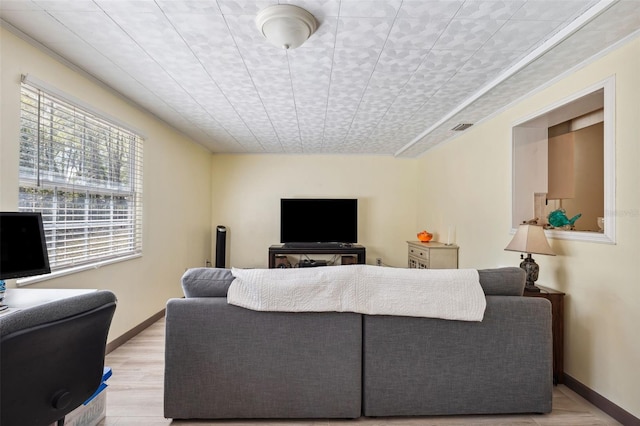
(462, 126)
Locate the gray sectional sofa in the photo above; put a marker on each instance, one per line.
(223, 361)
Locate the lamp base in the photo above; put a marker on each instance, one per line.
(531, 288)
(531, 268)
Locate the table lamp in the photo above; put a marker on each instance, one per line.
(530, 239)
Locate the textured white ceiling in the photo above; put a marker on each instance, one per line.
(378, 77)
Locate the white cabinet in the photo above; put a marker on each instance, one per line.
(432, 255)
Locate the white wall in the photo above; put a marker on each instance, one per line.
(531, 155)
(247, 191)
(601, 281)
(177, 189)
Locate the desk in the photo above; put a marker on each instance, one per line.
(557, 325)
(21, 298)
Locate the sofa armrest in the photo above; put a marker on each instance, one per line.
(509, 281)
(206, 282)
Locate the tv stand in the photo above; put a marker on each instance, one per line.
(339, 249)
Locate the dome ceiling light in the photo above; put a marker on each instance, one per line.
(285, 25)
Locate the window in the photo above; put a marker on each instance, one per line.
(84, 174)
(564, 158)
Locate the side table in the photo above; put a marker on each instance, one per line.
(557, 325)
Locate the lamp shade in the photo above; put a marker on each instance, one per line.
(530, 239)
(286, 26)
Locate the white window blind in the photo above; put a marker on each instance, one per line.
(84, 174)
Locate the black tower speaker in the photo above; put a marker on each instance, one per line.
(221, 246)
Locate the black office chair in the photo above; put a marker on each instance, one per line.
(52, 357)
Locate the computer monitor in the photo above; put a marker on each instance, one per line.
(23, 248)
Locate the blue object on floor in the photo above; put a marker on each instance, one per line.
(106, 373)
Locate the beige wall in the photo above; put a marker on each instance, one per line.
(177, 189)
(247, 191)
(602, 348)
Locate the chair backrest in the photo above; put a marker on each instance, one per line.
(52, 357)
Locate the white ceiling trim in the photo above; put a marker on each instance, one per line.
(574, 26)
(550, 83)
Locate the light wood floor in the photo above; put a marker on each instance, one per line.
(135, 392)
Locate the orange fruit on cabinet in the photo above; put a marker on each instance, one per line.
(425, 236)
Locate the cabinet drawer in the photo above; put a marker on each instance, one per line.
(420, 253)
(432, 255)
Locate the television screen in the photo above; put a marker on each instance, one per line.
(23, 250)
(318, 220)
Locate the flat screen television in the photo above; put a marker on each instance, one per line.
(23, 249)
(318, 220)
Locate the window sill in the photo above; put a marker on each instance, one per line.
(22, 282)
(593, 237)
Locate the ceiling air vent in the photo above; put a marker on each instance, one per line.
(462, 126)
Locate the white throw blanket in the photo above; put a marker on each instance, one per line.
(453, 294)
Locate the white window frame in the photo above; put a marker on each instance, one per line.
(83, 171)
(534, 127)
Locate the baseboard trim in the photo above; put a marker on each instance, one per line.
(618, 413)
(133, 332)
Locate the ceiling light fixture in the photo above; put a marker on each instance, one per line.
(285, 25)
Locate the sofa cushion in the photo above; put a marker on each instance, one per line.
(428, 367)
(206, 282)
(507, 281)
